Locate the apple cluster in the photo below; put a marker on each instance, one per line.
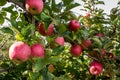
(20, 51)
(75, 49)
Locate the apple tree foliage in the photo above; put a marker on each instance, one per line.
(22, 26)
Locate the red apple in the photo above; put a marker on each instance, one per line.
(48, 32)
(100, 35)
(87, 15)
(37, 50)
(74, 25)
(19, 51)
(86, 43)
(76, 50)
(34, 6)
(95, 68)
(60, 40)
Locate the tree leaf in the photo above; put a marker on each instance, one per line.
(34, 75)
(100, 2)
(2, 2)
(66, 2)
(7, 30)
(1, 19)
(71, 6)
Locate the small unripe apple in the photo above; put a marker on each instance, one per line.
(60, 40)
(87, 15)
(51, 68)
(86, 43)
(95, 68)
(48, 32)
(100, 35)
(34, 6)
(75, 50)
(37, 50)
(74, 25)
(19, 51)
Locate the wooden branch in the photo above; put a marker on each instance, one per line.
(18, 3)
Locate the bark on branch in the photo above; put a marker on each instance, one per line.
(18, 3)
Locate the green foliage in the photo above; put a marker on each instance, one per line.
(23, 27)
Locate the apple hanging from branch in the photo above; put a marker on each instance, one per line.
(74, 25)
(76, 50)
(37, 50)
(95, 68)
(19, 51)
(34, 6)
(42, 31)
(60, 40)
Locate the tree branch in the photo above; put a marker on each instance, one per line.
(18, 3)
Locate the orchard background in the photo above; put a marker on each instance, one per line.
(58, 63)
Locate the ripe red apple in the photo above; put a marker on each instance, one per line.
(76, 50)
(87, 15)
(48, 32)
(34, 6)
(37, 50)
(100, 35)
(60, 40)
(74, 25)
(95, 68)
(19, 51)
(86, 43)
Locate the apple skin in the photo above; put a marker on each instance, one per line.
(60, 40)
(34, 6)
(74, 25)
(76, 50)
(42, 31)
(37, 50)
(86, 43)
(100, 35)
(96, 68)
(19, 51)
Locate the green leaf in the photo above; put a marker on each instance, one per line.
(46, 74)
(34, 75)
(71, 6)
(97, 42)
(2, 2)
(1, 19)
(100, 2)
(66, 2)
(58, 50)
(14, 15)
(9, 9)
(108, 45)
(62, 28)
(55, 7)
(7, 30)
(40, 63)
(44, 17)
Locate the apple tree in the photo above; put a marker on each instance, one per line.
(47, 40)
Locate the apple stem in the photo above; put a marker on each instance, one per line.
(33, 22)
